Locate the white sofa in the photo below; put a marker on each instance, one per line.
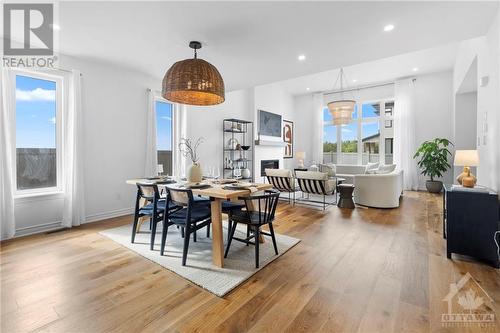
(348, 171)
(378, 190)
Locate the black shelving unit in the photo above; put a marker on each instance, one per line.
(237, 131)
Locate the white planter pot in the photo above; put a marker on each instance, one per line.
(194, 173)
(245, 173)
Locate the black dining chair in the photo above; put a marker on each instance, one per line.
(260, 211)
(154, 208)
(191, 217)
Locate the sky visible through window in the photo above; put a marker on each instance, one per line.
(163, 125)
(349, 131)
(35, 113)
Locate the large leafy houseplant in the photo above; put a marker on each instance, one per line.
(433, 161)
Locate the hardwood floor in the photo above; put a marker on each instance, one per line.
(366, 270)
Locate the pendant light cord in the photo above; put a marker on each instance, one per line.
(342, 77)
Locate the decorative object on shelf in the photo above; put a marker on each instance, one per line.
(245, 147)
(232, 143)
(245, 173)
(189, 149)
(301, 156)
(467, 159)
(341, 109)
(269, 124)
(160, 169)
(193, 81)
(288, 138)
(433, 161)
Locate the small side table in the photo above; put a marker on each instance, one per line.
(345, 200)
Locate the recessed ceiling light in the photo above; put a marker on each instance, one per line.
(307, 88)
(55, 27)
(354, 80)
(389, 27)
(301, 57)
(415, 69)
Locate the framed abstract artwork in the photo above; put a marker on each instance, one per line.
(288, 138)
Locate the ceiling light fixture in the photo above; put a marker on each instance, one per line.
(301, 57)
(389, 27)
(354, 80)
(308, 89)
(415, 69)
(193, 81)
(341, 109)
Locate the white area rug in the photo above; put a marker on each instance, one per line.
(238, 266)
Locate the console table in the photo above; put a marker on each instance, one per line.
(470, 220)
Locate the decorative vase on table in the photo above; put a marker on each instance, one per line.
(194, 174)
(245, 173)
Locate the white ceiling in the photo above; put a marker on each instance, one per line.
(384, 70)
(253, 43)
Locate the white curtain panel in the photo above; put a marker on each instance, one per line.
(7, 218)
(317, 116)
(73, 161)
(151, 168)
(404, 132)
(180, 131)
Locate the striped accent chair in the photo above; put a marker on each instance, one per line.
(283, 181)
(317, 183)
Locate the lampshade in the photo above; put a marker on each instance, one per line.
(466, 158)
(193, 82)
(341, 111)
(301, 155)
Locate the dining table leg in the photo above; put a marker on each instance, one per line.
(217, 237)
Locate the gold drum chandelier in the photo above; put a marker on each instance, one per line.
(342, 109)
(193, 82)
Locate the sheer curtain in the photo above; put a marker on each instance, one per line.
(7, 218)
(179, 128)
(151, 168)
(404, 132)
(74, 198)
(317, 116)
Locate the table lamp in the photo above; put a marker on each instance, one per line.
(301, 156)
(160, 169)
(466, 158)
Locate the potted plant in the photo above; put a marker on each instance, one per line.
(433, 162)
(189, 148)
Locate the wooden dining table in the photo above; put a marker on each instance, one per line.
(217, 193)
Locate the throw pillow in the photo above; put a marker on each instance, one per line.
(371, 167)
(384, 169)
(328, 168)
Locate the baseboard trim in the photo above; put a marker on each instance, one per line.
(36, 229)
(109, 214)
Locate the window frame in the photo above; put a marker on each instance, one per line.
(359, 120)
(158, 98)
(59, 81)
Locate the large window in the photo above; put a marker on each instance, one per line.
(164, 118)
(38, 133)
(367, 138)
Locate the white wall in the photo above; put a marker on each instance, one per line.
(486, 51)
(434, 108)
(114, 104)
(207, 121)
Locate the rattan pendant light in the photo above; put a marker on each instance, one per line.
(342, 109)
(193, 82)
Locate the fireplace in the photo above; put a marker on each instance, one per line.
(268, 164)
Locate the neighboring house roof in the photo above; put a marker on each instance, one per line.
(371, 137)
